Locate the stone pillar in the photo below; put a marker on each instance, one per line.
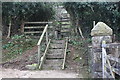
(100, 32)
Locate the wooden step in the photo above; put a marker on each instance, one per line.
(55, 56)
(65, 30)
(58, 41)
(31, 32)
(57, 46)
(64, 24)
(56, 51)
(51, 67)
(54, 61)
(53, 64)
(65, 20)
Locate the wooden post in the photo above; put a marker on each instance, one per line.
(9, 30)
(39, 54)
(103, 65)
(46, 36)
(63, 66)
(22, 27)
(93, 23)
(103, 59)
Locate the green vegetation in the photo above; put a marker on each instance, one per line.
(17, 45)
(17, 13)
(83, 14)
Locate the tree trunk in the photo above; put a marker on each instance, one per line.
(80, 31)
(9, 30)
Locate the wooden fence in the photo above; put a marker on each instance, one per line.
(34, 28)
(110, 64)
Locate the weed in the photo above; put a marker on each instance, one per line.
(17, 45)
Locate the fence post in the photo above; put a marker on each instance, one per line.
(99, 33)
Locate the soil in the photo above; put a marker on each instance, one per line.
(21, 61)
(74, 67)
(14, 73)
(77, 62)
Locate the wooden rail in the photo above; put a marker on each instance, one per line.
(33, 29)
(63, 66)
(44, 55)
(40, 40)
(106, 61)
(37, 22)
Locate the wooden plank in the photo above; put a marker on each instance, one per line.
(113, 45)
(115, 70)
(63, 66)
(65, 30)
(37, 22)
(64, 20)
(107, 75)
(39, 42)
(65, 24)
(113, 58)
(104, 59)
(111, 71)
(33, 27)
(103, 62)
(44, 55)
(31, 32)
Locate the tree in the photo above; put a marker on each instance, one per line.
(84, 13)
(18, 12)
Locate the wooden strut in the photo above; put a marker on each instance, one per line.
(63, 66)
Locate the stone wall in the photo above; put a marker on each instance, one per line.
(100, 32)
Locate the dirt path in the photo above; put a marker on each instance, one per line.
(14, 73)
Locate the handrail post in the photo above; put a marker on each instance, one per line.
(63, 65)
(39, 54)
(46, 36)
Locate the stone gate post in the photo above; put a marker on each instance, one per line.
(100, 32)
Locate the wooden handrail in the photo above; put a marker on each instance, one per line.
(44, 55)
(63, 66)
(40, 40)
(45, 29)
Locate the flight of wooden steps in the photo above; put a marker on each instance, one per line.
(55, 56)
(65, 26)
